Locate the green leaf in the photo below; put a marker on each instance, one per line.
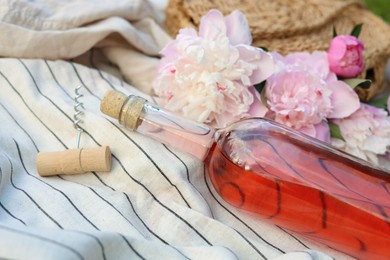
(335, 131)
(260, 87)
(380, 101)
(356, 30)
(356, 82)
(263, 98)
(334, 31)
(264, 48)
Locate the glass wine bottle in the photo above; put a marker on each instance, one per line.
(278, 174)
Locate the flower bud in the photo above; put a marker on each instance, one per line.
(345, 56)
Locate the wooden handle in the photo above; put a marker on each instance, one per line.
(74, 161)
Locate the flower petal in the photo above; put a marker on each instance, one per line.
(376, 144)
(188, 32)
(265, 68)
(337, 49)
(262, 60)
(319, 61)
(237, 27)
(212, 25)
(323, 131)
(257, 109)
(345, 101)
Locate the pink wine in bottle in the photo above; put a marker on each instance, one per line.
(278, 174)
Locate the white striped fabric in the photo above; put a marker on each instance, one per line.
(156, 203)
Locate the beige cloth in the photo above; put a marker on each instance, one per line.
(156, 203)
(67, 29)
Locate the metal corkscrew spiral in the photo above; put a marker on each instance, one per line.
(78, 110)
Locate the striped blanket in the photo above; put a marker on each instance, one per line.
(156, 202)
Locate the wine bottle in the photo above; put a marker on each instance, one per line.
(278, 174)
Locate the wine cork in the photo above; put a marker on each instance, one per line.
(126, 109)
(112, 103)
(74, 161)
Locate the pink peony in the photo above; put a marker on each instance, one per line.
(298, 98)
(345, 56)
(207, 76)
(366, 133)
(303, 94)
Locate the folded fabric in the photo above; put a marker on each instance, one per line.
(67, 29)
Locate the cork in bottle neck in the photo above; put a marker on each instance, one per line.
(127, 109)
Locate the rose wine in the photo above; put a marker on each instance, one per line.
(280, 175)
(303, 188)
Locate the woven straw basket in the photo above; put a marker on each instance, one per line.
(299, 25)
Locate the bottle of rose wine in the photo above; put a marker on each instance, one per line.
(278, 174)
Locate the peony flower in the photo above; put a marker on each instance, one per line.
(304, 93)
(366, 133)
(345, 56)
(298, 98)
(207, 76)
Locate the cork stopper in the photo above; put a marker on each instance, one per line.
(74, 161)
(126, 109)
(112, 103)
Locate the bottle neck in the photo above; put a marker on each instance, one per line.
(152, 121)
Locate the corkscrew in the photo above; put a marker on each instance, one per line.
(79, 160)
(78, 110)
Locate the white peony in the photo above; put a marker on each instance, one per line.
(366, 133)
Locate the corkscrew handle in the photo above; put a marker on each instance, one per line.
(74, 161)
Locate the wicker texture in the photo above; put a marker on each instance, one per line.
(299, 25)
